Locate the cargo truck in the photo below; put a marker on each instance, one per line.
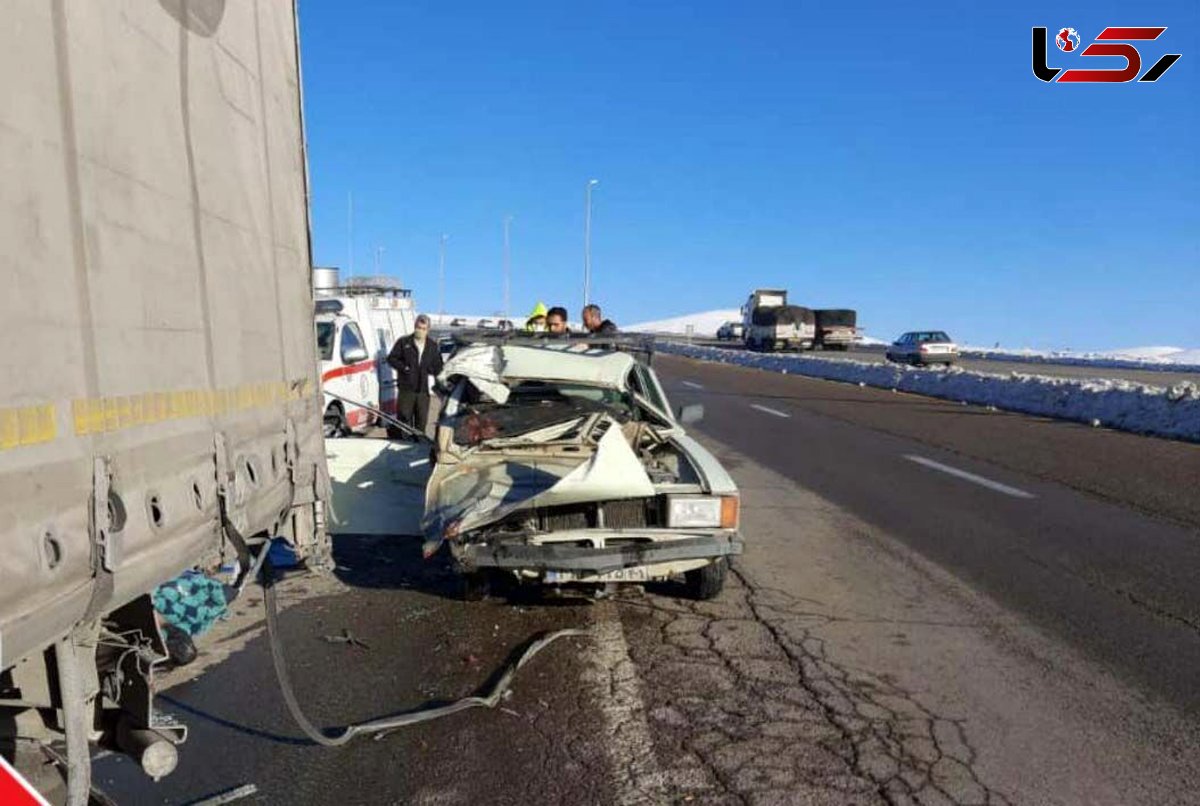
(160, 403)
(836, 328)
(771, 324)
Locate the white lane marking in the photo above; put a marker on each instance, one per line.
(770, 410)
(693, 385)
(962, 474)
(619, 692)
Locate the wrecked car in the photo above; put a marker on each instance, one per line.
(561, 463)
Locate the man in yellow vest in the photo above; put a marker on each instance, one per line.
(536, 323)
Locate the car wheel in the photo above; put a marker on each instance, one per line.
(334, 424)
(706, 583)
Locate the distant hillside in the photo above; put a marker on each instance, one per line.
(704, 323)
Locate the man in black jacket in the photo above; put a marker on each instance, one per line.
(595, 323)
(416, 359)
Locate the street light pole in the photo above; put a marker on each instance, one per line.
(350, 231)
(507, 266)
(442, 276)
(587, 240)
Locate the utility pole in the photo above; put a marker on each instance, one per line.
(350, 231)
(587, 240)
(442, 276)
(507, 266)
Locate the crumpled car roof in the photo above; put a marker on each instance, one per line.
(571, 362)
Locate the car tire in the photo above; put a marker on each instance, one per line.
(705, 583)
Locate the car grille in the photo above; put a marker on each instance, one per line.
(628, 514)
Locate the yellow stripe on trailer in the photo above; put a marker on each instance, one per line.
(28, 425)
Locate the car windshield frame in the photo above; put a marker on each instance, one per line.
(532, 405)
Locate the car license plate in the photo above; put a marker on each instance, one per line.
(623, 575)
(619, 575)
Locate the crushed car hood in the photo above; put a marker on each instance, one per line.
(488, 485)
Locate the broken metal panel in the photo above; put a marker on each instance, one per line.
(716, 478)
(566, 362)
(612, 471)
(378, 485)
(489, 486)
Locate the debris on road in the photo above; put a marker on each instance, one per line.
(228, 796)
(346, 637)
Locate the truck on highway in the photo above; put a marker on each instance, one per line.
(357, 324)
(769, 323)
(836, 328)
(160, 406)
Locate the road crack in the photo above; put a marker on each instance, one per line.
(743, 689)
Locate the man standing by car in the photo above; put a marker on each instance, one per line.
(594, 324)
(416, 360)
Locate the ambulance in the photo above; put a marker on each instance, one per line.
(356, 325)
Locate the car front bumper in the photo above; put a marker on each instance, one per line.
(564, 556)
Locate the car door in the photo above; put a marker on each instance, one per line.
(361, 383)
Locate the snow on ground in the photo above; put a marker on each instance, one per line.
(704, 323)
(1123, 405)
(1167, 355)
(1163, 359)
(1144, 353)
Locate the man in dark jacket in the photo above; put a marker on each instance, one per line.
(595, 324)
(416, 359)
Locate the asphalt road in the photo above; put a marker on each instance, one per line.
(937, 604)
(1152, 377)
(1050, 525)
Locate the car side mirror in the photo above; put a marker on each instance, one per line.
(354, 355)
(689, 414)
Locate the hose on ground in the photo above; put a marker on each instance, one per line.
(74, 704)
(386, 724)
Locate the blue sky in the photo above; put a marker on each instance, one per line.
(899, 160)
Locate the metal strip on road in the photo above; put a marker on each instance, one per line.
(971, 477)
(692, 385)
(770, 410)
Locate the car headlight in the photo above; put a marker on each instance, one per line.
(707, 511)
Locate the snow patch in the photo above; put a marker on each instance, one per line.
(704, 323)
(1160, 359)
(1172, 412)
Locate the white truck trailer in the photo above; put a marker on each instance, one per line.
(159, 394)
(769, 323)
